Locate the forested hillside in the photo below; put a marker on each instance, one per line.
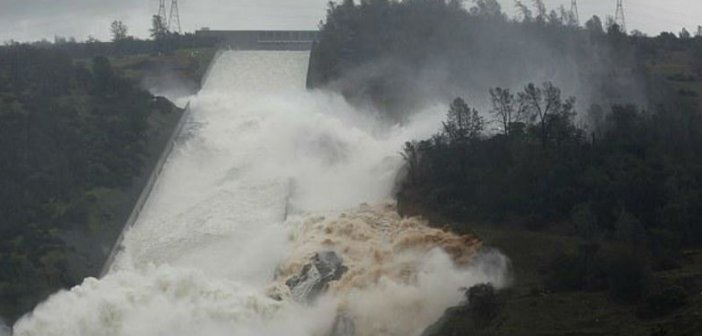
(76, 142)
(575, 149)
(400, 56)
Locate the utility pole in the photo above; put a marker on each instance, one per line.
(174, 19)
(619, 18)
(574, 11)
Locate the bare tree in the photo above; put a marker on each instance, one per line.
(545, 107)
(505, 108)
(119, 31)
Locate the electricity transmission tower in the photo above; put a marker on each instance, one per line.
(574, 11)
(162, 10)
(619, 18)
(174, 19)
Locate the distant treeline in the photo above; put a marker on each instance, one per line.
(73, 138)
(399, 55)
(124, 46)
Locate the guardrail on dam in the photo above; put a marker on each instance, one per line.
(261, 39)
(148, 188)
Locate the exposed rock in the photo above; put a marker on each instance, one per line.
(315, 277)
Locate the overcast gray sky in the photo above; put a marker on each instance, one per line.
(25, 20)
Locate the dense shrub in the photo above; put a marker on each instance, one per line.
(581, 270)
(663, 302)
(566, 272)
(483, 304)
(619, 268)
(637, 182)
(628, 274)
(65, 129)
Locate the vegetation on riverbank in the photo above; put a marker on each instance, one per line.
(78, 139)
(607, 217)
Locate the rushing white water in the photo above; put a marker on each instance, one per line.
(4, 329)
(267, 175)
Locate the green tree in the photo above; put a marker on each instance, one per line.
(568, 17)
(555, 19)
(613, 28)
(411, 154)
(524, 11)
(488, 8)
(541, 11)
(159, 29)
(684, 34)
(595, 25)
(119, 31)
(66, 130)
(464, 123)
(104, 75)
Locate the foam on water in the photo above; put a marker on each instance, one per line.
(4, 329)
(266, 175)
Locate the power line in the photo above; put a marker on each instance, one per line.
(174, 19)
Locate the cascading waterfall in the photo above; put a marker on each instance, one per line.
(272, 217)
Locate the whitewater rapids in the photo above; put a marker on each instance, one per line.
(266, 175)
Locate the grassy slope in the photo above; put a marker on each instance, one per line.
(529, 310)
(677, 69)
